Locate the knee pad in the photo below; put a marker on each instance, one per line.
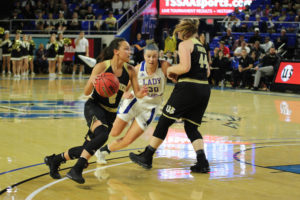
(75, 152)
(101, 135)
(162, 127)
(192, 131)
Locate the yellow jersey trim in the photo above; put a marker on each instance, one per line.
(109, 109)
(190, 80)
(185, 119)
(195, 41)
(107, 64)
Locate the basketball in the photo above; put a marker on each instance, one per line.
(107, 84)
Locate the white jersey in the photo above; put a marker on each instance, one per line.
(144, 110)
(156, 85)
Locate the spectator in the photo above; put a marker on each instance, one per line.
(228, 38)
(50, 23)
(52, 7)
(40, 8)
(238, 42)
(110, 21)
(238, 51)
(127, 4)
(98, 24)
(244, 71)
(291, 9)
(276, 9)
(40, 62)
(267, 11)
(27, 12)
(268, 67)
(161, 56)
(246, 26)
(16, 25)
(270, 24)
(294, 27)
(281, 42)
(117, 6)
(170, 42)
(139, 46)
(225, 49)
(90, 14)
(232, 22)
(31, 3)
(75, 24)
(170, 58)
(258, 50)
(260, 24)
(267, 45)
(283, 16)
(40, 22)
(83, 9)
(255, 37)
(61, 23)
(220, 65)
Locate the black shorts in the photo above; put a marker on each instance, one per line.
(188, 101)
(77, 60)
(93, 111)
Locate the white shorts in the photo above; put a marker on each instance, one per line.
(133, 109)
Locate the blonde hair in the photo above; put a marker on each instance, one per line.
(187, 27)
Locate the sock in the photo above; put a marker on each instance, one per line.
(149, 151)
(80, 164)
(200, 155)
(61, 157)
(105, 148)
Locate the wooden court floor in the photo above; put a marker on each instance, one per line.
(252, 141)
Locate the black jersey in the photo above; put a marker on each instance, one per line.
(199, 63)
(16, 49)
(31, 48)
(6, 47)
(111, 103)
(25, 48)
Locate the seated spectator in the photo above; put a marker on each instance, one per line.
(276, 10)
(270, 25)
(281, 42)
(161, 56)
(61, 23)
(98, 24)
(228, 38)
(40, 22)
(258, 50)
(40, 61)
(258, 23)
(294, 27)
(127, 4)
(246, 26)
(219, 66)
(83, 9)
(267, 11)
(89, 15)
(74, 24)
(258, 11)
(238, 42)
(40, 7)
(268, 67)
(267, 45)
(117, 7)
(255, 60)
(247, 10)
(233, 22)
(238, 51)
(31, 3)
(225, 49)
(283, 16)
(52, 7)
(170, 42)
(243, 73)
(110, 21)
(139, 46)
(50, 23)
(16, 25)
(27, 12)
(291, 10)
(255, 37)
(170, 58)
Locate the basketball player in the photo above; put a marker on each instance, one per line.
(188, 100)
(6, 45)
(100, 112)
(152, 74)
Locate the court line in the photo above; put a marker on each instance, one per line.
(34, 165)
(34, 193)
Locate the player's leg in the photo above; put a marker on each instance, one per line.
(196, 139)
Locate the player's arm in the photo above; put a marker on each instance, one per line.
(139, 92)
(184, 50)
(99, 68)
(164, 66)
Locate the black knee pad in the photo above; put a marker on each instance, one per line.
(75, 152)
(192, 131)
(101, 136)
(162, 127)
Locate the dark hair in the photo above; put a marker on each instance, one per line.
(108, 52)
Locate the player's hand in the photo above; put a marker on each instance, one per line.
(142, 92)
(127, 95)
(173, 77)
(93, 79)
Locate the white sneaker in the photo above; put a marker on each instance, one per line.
(59, 73)
(101, 157)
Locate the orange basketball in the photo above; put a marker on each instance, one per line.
(107, 84)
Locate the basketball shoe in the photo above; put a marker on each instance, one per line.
(143, 159)
(101, 157)
(201, 167)
(53, 163)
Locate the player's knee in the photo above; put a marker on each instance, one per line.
(162, 127)
(101, 133)
(192, 131)
(75, 152)
(95, 124)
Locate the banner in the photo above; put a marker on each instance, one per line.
(70, 50)
(288, 73)
(200, 7)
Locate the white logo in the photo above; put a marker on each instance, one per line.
(287, 73)
(170, 109)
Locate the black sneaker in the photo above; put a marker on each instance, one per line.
(77, 177)
(141, 160)
(201, 167)
(53, 166)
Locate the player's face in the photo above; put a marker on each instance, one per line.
(124, 51)
(151, 57)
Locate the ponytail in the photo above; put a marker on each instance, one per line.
(108, 52)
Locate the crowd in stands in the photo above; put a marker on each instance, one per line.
(68, 15)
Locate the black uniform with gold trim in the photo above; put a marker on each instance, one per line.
(190, 96)
(61, 48)
(6, 47)
(105, 109)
